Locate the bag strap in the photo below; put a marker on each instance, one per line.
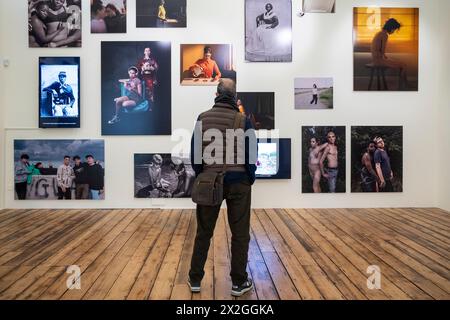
(236, 125)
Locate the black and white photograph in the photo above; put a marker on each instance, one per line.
(268, 31)
(161, 175)
(259, 108)
(377, 159)
(136, 88)
(59, 92)
(108, 16)
(54, 23)
(59, 169)
(161, 13)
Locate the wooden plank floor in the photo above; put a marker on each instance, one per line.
(294, 254)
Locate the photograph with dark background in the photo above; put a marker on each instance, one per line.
(311, 159)
(161, 13)
(259, 107)
(151, 112)
(362, 137)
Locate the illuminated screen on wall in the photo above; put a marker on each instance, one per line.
(274, 159)
(59, 92)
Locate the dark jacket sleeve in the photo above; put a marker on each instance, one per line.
(101, 177)
(51, 87)
(198, 167)
(250, 167)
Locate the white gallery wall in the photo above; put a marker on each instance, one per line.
(322, 47)
(443, 101)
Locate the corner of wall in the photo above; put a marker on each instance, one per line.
(2, 111)
(443, 120)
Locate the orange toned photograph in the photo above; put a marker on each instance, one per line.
(385, 49)
(206, 64)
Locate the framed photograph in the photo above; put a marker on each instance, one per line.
(108, 16)
(59, 92)
(136, 88)
(274, 159)
(318, 6)
(259, 108)
(268, 31)
(323, 159)
(385, 49)
(377, 159)
(314, 93)
(54, 23)
(161, 175)
(161, 13)
(206, 64)
(59, 169)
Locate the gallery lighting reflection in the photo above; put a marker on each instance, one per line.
(285, 36)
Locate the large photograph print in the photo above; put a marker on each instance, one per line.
(136, 88)
(259, 108)
(108, 16)
(206, 64)
(377, 159)
(161, 13)
(268, 30)
(59, 92)
(386, 49)
(54, 23)
(59, 169)
(323, 159)
(161, 175)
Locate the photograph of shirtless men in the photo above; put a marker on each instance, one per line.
(323, 159)
(54, 23)
(377, 159)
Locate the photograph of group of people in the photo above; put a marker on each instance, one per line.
(313, 93)
(386, 49)
(206, 64)
(377, 159)
(323, 159)
(59, 169)
(161, 13)
(161, 175)
(54, 23)
(108, 16)
(136, 88)
(268, 30)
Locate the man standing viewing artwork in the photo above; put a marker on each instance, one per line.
(238, 179)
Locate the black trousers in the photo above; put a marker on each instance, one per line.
(388, 187)
(64, 195)
(314, 99)
(21, 190)
(238, 198)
